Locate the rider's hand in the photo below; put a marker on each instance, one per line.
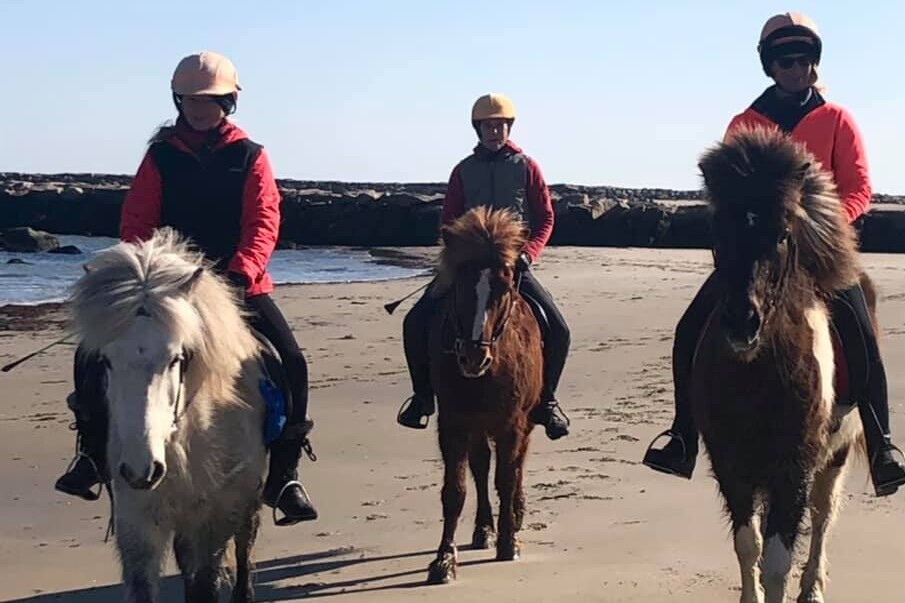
(523, 263)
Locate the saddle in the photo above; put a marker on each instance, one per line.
(274, 387)
(542, 321)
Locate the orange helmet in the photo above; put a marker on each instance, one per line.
(785, 30)
(205, 73)
(492, 106)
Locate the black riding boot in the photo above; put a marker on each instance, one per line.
(83, 478)
(87, 471)
(556, 342)
(416, 411)
(851, 319)
(679, 455)
(283, 491)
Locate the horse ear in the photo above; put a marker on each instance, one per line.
(191, 282)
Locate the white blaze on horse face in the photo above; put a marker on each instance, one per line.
(482, 293)
(143, 384)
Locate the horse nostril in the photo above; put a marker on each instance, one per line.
(159, 471)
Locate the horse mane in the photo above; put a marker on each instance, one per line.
(163, 279)
(482, 236)
(786, 173)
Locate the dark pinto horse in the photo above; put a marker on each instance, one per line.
(486, 366)
(763, 378)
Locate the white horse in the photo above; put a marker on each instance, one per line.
(185, 446)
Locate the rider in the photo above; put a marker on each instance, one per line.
(790, 48)
(498, 174)
(204, 177)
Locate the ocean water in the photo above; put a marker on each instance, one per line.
(46, 277)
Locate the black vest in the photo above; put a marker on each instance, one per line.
(202, 195)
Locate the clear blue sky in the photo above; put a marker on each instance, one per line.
(622, 93)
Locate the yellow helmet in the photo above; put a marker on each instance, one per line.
(492, 106)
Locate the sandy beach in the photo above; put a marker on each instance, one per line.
(601, 527)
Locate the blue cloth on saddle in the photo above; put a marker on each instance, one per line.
(275, 417)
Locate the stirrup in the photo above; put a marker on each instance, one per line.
(91, 495)
(891, 487)
(423, 419)
(554, 407)
(286, 520)
(662, 468)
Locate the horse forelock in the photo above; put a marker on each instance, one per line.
(788, 176)
(481, 237)
(158, 278)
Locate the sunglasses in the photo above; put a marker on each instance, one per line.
(789, 62)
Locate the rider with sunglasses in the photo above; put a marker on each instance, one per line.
(790, 48)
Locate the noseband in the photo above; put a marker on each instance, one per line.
(461, 342)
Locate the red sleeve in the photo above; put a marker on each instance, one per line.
(850, 168)
(540, 211)
(454, 201)
(140, 213)
(260, 221)
(733, 126)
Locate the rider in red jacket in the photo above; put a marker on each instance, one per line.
(790, 48)
(204, 177)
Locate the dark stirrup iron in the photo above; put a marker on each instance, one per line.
(403, 419)
(287, 520)
(892, 487)
(649, 461)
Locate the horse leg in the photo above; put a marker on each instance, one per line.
(208, 544)
(141, 551)
(518, 503)
(454, 445)
(243, 591)
(507, 452)
(824, 504)
(785, 510)
(479, 461)
(746, 532)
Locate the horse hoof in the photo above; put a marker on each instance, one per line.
(508, 553)
(442, 570)
(483, 538)
(811, 597)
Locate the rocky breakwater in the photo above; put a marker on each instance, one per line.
(382, 214)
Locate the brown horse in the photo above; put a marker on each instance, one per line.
(763, 379)
(486, 365)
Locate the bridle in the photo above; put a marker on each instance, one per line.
(461, 342)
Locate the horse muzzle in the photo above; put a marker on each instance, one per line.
(474, 359)
(148, 480)
(742, 330)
